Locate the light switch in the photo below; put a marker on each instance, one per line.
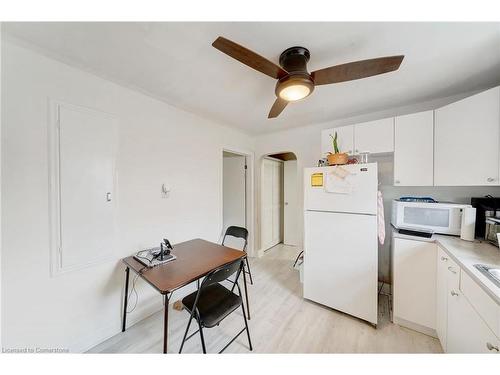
(165, 191)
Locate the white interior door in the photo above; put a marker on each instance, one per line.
(276, 188)
(234, 196)
(290, 210)
(86, 176)
(234, 190)
(271, 203)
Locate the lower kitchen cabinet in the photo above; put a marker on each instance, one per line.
(432, 294)
(414, 284)
(445, 269)
(460, 328)
(467, 332)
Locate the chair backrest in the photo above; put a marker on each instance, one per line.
(222, 273)
(238, 232)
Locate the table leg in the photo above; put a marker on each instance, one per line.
(125, 300)
(246, 291)
(165, 325)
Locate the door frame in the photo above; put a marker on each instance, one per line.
(249, 194)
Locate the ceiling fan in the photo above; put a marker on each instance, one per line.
(294, 81)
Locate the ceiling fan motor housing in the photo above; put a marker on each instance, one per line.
(294, 61)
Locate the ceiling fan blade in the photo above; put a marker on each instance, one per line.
(250, 58)
(356, 70)
(278, 107)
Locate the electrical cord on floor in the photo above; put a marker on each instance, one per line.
(381, 286)
(134, 290)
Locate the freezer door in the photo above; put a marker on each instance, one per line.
(359, 197)
(341, 262)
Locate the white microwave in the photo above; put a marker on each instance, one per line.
(444, 218)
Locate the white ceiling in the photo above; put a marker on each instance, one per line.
(176, 63)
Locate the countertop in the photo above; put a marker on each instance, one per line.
(466, 254)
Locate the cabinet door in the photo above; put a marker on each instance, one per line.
(414, 149)
(374, 136)
(443, 262)
(345, 139)
(414, 274)
(466, 144)
(467, 332)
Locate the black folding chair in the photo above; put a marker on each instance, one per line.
(240, 232)
(213, 302)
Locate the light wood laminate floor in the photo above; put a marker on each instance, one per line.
(281, 322)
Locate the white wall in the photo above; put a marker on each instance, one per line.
(234, 191)
(157, 144)
(305, 142)
(1, 117)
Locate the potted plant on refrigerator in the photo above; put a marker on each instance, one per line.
(337, 157)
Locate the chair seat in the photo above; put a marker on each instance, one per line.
(214, 304)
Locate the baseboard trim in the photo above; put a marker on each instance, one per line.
(415, 327)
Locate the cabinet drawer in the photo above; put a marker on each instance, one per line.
(453, 271)
(485, 306)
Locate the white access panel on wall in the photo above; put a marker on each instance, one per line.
(83, 182)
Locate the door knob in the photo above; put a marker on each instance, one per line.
(444, 259)
(108, 197)
(286, 203)
(451, 270)
(453, 293)
(490, 179)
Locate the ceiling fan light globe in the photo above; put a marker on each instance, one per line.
(293, 88)
(294, 92)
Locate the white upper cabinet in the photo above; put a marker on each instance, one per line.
(466, 144)
(375, 136)
(414, 149)
(345, 139)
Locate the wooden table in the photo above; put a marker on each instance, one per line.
(195, 259)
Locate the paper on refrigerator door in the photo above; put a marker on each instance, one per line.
(339, 180)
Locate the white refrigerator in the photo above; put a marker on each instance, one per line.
(340, 238)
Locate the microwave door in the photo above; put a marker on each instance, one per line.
(432, 218)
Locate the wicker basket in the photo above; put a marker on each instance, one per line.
(338, 159)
